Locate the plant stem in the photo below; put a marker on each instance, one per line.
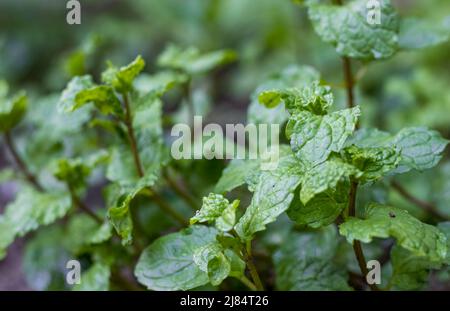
(357, 244)
(180, 191)
(131, 136)
(137, 161)
(428, 207)
(347, 66)
(78, 203)
(248, 283)
(251, 267)
(20, 163)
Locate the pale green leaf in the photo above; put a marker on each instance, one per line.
(417, 33)
(96, 278)
(374, 163)
(314, 137)
(67, 101)
(273, 195)
(168, 264)
(410, 272)
(292, 76)
(102, 96)
(321, 210)
(314, 98)
(192, 61)
(30, 210)
(236, 174)
(420, 147)
(121, 79)
(325, 176)
(382, 221)
(159, 83)
(12, 111)
(348, 30)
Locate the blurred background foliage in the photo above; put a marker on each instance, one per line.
(40, 52)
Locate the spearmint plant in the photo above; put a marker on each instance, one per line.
(314, 221)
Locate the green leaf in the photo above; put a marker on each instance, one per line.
(168, 263)
(236, 174)
(44, 259)
(75, 171)
(147, 126)
(12, 111)
(445, 228)
(119, 200)
(95, 279)
(191, 61)
(93, 233)
(121, 79)
(374, 163)
(348, 30)
(30, 210)
(420, 147)
(4, 89)
(292, 76)
(218, 269)
(227, 220)
(7, 235)
(384, 221)
(67, 101)
(212, 260)
(370, 137)
(273, 195)
(314, 137)
(417, 33)
(305, 262)
(325, 176)
(410, 272)
(217, 209)
(212, 208)
(102, 96)
(313, 98)
(159, 83)
(322, 209)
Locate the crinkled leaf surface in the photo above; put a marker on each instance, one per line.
(382, 221)
(420, 148)
(348, 30)
(410, 272)
(314, 137)
(322, 209)
(290, 77)
(168, 263)
(374, 163)
(325, 176)
(305, 262)
(273, 195)
(30, 210)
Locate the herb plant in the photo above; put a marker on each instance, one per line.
(313, 223)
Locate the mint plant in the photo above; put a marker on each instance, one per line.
(313, 222)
